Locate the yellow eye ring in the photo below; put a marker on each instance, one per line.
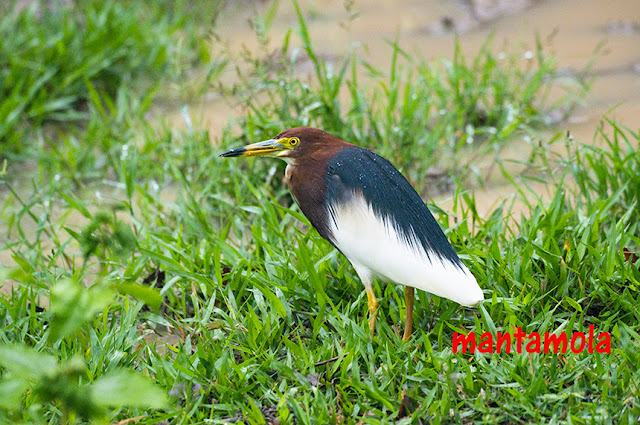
(294, 141)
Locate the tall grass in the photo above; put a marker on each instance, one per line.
(53, 55)
(415, 113)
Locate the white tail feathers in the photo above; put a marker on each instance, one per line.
(369, 242)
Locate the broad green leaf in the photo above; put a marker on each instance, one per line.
(149, 296)
(127, 388)
(11, 393)
(26, 362)
(73, 305)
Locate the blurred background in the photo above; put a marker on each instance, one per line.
(576, 33)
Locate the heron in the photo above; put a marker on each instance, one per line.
(360, 203)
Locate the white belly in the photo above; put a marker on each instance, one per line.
(369, 242)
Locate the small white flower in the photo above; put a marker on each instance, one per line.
(125, 152)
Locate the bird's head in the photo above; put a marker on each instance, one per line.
(298, 142)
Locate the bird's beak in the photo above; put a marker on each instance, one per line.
(270, 147)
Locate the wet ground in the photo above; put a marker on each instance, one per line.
(575, 32)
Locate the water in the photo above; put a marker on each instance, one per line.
(573, 31)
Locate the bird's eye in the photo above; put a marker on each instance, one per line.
(294, 141)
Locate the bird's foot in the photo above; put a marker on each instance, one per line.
(373, 309)
(406, 336)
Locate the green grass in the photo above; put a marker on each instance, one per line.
(191, 290)
(416, 113)
(52, 57)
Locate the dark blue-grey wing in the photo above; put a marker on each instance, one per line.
(357, 170)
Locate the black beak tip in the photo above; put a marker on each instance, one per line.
(232, 153)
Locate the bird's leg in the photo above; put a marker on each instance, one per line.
(366, 278)
(409, 293)
(373, 308)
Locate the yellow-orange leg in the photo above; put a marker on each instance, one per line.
(373, 308)
(409, 293)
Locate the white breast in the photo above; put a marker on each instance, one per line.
(370, 242)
